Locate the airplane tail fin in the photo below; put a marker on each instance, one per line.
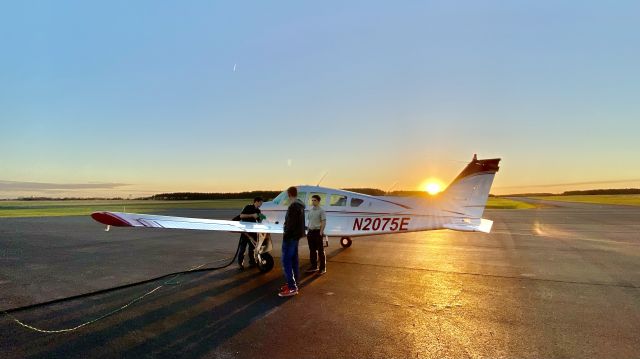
(468, 193)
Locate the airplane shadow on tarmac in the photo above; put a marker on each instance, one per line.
(187, 320)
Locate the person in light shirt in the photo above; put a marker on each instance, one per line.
(317, 222)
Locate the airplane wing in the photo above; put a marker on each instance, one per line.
(120, 219)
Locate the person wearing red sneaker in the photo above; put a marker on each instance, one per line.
(293, 231)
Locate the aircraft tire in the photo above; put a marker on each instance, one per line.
(345, 242)
(265, 264)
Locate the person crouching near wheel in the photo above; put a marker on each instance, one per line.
(293, 231)
(250, 213)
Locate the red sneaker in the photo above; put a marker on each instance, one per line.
(288, 292)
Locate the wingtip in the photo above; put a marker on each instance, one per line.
(109, 219)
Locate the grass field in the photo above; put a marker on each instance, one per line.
(624, 199)
(504, 203)
(81, 208)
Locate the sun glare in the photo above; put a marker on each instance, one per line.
(432, 188)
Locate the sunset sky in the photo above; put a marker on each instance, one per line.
(126, 98)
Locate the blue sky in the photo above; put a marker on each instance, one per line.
(143, 95)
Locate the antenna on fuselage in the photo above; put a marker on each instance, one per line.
(321, 178)
(392, 186)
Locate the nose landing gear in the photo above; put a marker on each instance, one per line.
(263, 258)
(264, 262)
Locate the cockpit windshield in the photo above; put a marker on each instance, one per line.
(283, 198)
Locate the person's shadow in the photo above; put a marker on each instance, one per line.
(188, 319)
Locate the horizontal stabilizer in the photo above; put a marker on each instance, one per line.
(119, 219)
(466, 225)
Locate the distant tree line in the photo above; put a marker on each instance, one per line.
(269, 195)
(409, 194)
(266, 195)
(197, 196)
(379, 192)
(611, 191)
(369, 191)
(70, 199)
(530, 194)
(603, 191)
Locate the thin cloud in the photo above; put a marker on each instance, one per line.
(570, 184)
(41, 186)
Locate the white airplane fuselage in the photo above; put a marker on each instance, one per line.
(353, 214)
(349, 214)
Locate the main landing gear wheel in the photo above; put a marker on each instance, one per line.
(265, 262)
(345, 242)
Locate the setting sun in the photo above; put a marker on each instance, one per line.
(432, 187)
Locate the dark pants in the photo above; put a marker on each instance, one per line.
(290, 263)
(244, 241)
(316, 249)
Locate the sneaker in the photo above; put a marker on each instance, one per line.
(240, 265)
(288, 292)
(322, 271)
(311, 270)
(284, 287)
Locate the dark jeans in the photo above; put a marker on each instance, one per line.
(316, 249)
(244, 241)
(290, 263)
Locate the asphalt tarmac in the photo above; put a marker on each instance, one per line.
(560, 281)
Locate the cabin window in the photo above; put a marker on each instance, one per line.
(323, 197)
(356, 202)
(338, 200)
(302, 196)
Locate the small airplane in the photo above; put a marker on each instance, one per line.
(459, 207)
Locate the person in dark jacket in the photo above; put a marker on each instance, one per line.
(293, 230)
(250, 213)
